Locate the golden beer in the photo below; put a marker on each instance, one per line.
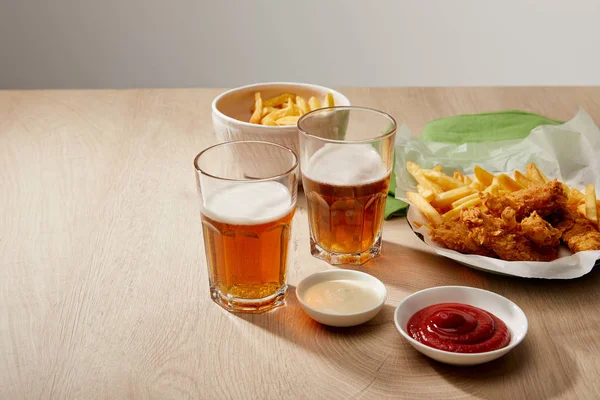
(347, 156)
(346, 219)
(248, 192)
(247, 261)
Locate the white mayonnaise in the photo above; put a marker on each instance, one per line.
(342, 296)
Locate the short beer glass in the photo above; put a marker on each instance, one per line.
(248, 193)
(346, 160)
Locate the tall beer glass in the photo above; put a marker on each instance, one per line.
(346, 158)
(248, 195)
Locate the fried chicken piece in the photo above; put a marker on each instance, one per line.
(475, 232)
(505, 237)
(540, 231)
(579, 233)
(544, 199)
(509, 216)
(454, 234)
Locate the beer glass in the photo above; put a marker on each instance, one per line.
(346, 159)
(248, 193)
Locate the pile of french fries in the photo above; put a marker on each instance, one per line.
(441, 197)
(284, 109)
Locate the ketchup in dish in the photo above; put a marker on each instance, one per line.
(458, 328)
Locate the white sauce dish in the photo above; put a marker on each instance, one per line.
(341, 297)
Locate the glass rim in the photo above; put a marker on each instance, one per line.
(339, 108)
(270, 178)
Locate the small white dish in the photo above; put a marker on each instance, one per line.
(335, 319)
(501, 307)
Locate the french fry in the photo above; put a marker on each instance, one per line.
(544, 177)
(484, 176)
(285, 105)
(258, 107)
(284, 112)
(477, 185)
(579, 197)
(434, 187)
(314, 103)
(426, 193)
(445, 199)
(427, 209)
(591, 211)
(443, 180)
(329, 100)
(524, 180)
(465, 199)
(437, 168)
(459, 175)
(278, 100)
(302, 105)
(535, 174)
(582, 210)
(417, 172)
(575, 196)
(492, 189)
(289, 120)
(294, 107)
(467, 180)
(268, 110)
(508, 183)
(268, 121)
(455, 212)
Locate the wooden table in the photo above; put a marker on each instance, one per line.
(104, 291)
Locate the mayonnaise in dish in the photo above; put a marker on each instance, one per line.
(342, 297)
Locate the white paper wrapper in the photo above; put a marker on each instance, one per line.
(569, 152)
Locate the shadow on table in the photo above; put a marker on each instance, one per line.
(408, 269)
(527, 372)
(347, 346)
(292, 323)
(571, 286)
(391, 269)
(537, 368)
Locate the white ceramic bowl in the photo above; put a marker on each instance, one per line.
(231, 110)
(338, 319)
(501, 307)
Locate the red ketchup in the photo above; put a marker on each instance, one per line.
(459, 328)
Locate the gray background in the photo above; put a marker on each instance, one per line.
(192, 43)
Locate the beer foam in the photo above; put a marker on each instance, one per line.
(248, 203)
(345, 164)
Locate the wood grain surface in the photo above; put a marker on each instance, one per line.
(104, 289)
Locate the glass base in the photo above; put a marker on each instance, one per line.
(348, 259)
(238, 305)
